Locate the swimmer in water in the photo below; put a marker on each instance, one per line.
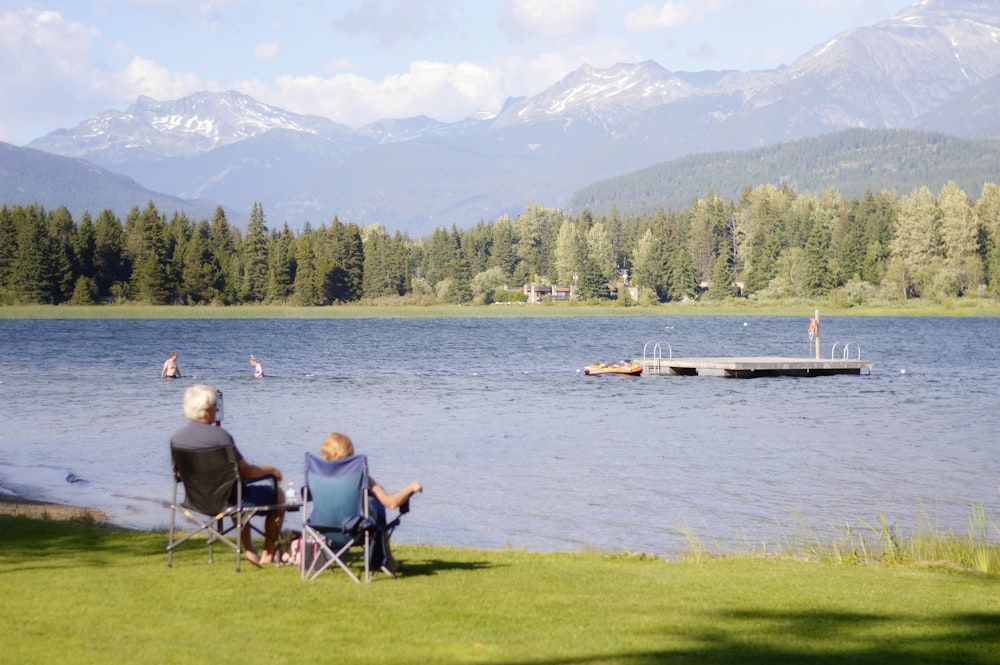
(170, 369)
(258, 369)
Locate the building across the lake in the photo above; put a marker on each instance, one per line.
(535, 293)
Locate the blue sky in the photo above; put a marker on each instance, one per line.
(357, 61)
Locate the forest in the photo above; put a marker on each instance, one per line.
(769, 244)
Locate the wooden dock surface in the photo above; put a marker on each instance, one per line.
(752, 367)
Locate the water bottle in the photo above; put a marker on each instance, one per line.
(290, 495)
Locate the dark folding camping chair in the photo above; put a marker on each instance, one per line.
(337, 516)
(212, 493)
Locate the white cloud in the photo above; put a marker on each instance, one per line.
(46, 65)
(443, 91)
(145, 77)
(266, 51)
(670, 14)
(529, 76)
(553, 18)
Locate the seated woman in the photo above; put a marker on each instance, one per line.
(338, 446)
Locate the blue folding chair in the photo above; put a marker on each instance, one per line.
(337, 516)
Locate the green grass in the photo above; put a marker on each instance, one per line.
(82, 593)
(959, 307)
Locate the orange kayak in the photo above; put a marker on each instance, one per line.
(626, 369)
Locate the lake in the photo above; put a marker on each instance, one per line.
(514, 445)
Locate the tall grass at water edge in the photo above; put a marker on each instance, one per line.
(880, 543)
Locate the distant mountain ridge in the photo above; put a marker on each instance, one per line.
(29, 176)
(848, 162)
(934, 66)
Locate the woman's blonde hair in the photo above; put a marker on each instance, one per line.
(336, 446)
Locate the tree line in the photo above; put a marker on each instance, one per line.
(770, 243)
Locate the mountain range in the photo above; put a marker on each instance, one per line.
(934, 67)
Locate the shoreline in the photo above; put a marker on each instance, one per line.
(971, 307)
(17, 506)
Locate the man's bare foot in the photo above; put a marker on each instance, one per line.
(266, 558)
(252, 557)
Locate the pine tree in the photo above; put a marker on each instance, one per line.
(817, 280)
(254, 250)
(110, 266)
(721, 286)
(60, 256)
(306, 291)
(201, 274)
(30, 278)
(150, 281)
(282, 264)
(988, 214)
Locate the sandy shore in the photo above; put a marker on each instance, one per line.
(15, 505)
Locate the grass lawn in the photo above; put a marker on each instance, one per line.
(80, 593)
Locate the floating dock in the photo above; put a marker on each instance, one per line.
(753, 367)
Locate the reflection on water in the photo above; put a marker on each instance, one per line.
(513, 444)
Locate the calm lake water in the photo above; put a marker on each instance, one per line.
(514, 445)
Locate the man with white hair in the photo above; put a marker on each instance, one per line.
(201, 404)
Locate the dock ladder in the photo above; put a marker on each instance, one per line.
(653, 363)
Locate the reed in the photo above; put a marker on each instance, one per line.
(878, 543)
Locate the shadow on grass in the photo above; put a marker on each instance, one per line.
(86, 542)
(753, 637)
(435, 566)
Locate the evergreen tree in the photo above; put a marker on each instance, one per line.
(201, 274)
(817, 280)
(254, 250)
(503, 256)
(721, 286)
(707, 235)
(8, 248)
(767, 206)
(282, 264)
(307, 292)
(877, 214)
(223, 240)
(150, 280)
(377, 280)
(460, 274)
(60, 257)
(591, 283)
(988, 214)
(110, 264)
(177, 234)
(349, 259)
(30, 278)
(439, 252)
(684, 278)
(84, 291)
(84, 244)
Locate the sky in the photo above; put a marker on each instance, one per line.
(358, 61)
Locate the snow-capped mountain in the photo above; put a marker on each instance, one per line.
(199, 123)
(935, 65)
(601, 95)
